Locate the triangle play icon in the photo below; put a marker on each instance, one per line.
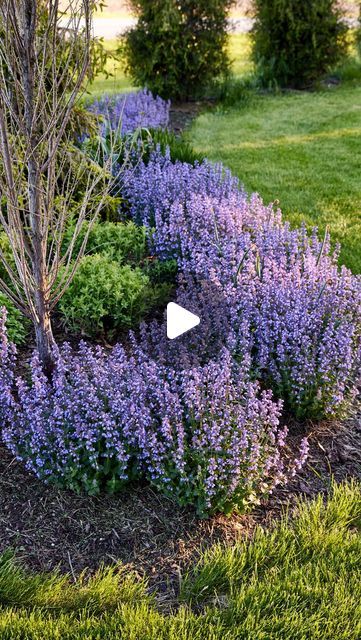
(179, 320)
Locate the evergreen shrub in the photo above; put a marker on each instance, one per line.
(295, 43)
(178, 47)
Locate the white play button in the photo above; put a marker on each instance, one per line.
(179, 320)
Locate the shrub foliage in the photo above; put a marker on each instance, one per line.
(117, 283)
(104, 297)
(16, 324)
(178, 46)
(295, 43)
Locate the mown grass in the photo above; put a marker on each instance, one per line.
(302, 149)
(117, 81)
(299, 581)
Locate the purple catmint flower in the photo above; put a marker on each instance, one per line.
(206, 436)
(129, 111)
(277, 313)
(280, 287)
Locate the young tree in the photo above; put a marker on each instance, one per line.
(44, 61)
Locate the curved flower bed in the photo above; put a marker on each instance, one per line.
(207, 437)
(302, 310)
(208, 432)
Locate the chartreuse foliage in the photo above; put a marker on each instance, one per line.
(125, 243)
(117, 282)
(299, 581)
(105, 297)
(16, 323)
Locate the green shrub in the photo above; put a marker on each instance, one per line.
(7, 253)
(106, 297)
(178, 46)
(16, 324)
(295, 43)
(231, 92)
(123, 242)
(161, 271)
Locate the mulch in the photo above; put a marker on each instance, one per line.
(182, 114)
(49, 528)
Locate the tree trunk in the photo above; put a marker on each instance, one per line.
(45, 342)
(44, 336)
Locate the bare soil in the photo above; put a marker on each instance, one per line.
(182, 114)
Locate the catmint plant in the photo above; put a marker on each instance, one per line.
(129, 111)
(205, 436)
(304, 312)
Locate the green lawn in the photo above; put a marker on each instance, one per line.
(303, 149)
(299, 581)
(117, 82)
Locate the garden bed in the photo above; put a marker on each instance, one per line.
(277, 314)
(144, 530)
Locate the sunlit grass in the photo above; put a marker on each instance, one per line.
(117, 81)
(300, 580)
(240, 54)
(302, 149)
(297, 581)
